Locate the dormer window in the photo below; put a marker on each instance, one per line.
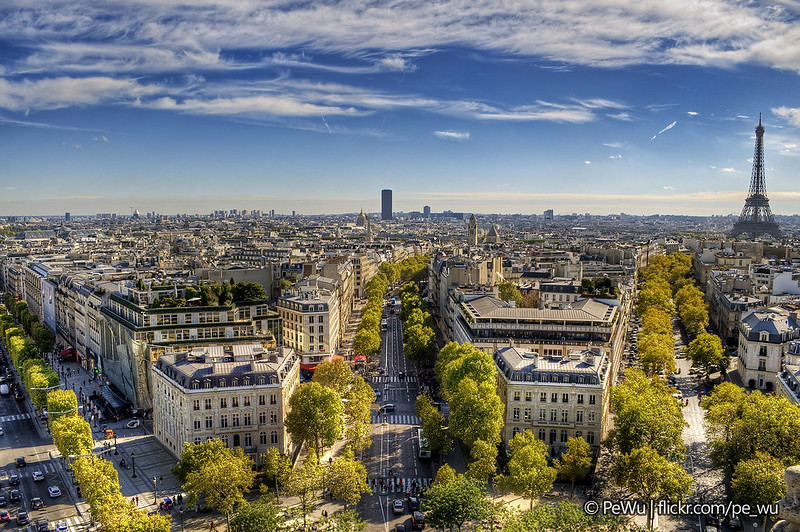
(222, 383)
(246, 381)
(195, 385)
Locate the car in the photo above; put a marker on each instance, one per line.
(678, 395)
(42, 525)
(400, 528)
(378, 393)
(133, 424)
(3, 502)
(388, 407)
(37, 503)
(13, 479)
(38, 476)
(62, 527)
(23, 519)
(413, 503)
(2, 433)
(14, 496)
(417, 521)
(54, 491)
(21, 461)
(4, 516)
(398, 507)
(401, 375)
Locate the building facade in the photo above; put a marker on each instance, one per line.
(386, 204)
(764, 339)
(238, 394)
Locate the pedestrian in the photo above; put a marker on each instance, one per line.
(137, 500)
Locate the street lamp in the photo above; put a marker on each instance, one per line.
(115, 444)
(181, 519)
(155, 493)
(133, 465)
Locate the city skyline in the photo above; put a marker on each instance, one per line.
(488, 107)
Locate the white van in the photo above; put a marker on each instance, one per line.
(4, 389)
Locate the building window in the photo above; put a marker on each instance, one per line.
(579, 416)
(208, 404)
(592, 399)
(762, 365)
(223, 420)
(762, 351)
(262, 417)
(262, 400)
(246, 400)
(235, 402)
(221, 383)
(542, 434)
(248, 440)
(527, 414)
(543, 397)
(223, 402)
(580, 398)
(209, 422)
(565, 398)
(579, 434)
(554, 415)
(235, 420)
(273, 436)
(197, 441)
(590, 438)
(224, 439)
(591, 417)
(197, 423)
(529, 396)
(246, 381)
(195, 385)
(273, 399)
(542, 414)
(273, 417)
(196, 404)
(552, 435)
(564, 436)
(564, 416)
(248, 419)
(262, 438)
(514, 431)
(319, 319)
(516, 414)
(207, 384)
(554, 397)
(516, 396)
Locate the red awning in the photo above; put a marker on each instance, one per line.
(67, 352)
(334, 357)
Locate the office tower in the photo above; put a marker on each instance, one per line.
(756, 218)
(386, 204)
(67, 217)
(548, 215)
(426, 211)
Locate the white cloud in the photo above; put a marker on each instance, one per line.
(668, 187)
(728, 169)
(692, 113)
(76, 146)
(617, 156)
(791, 114)
(613, 144)
(99, 139)
(452, 135)
(587, 162)
(670, 126)
(625, 117)
(55, 93)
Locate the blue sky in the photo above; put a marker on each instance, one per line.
(468, 105)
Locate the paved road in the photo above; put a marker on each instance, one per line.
(393, 461)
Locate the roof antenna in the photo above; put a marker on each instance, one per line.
(759, 119)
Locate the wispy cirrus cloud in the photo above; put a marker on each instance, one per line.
(452, 135)
(670, 126)
(790, 114)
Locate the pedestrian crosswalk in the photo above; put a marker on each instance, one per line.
(76, 524)
(398, 419)
(15, 417)
(399, 485)
(386, 379)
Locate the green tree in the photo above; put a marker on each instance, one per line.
(347, 478)
(367, 342)
(343, 521)
(358, 417)
(278, 468)
(656, 351)
(222, 482)
(476, 413)
(650, 476)
(315, 416)
(576, 462)
(257, 517)
(304, 482)
(759, 481)
(444, 475)
(645, 413)
(510, 292)
(565, 516)
(61, 403)
(473, 363)
(72, 435)
(528, 473)
(432, 422)
(706, 352)
(335, 375)
(420, 343)
(389, 270)
(456, 502)
(484, 461)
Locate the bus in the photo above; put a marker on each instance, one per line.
(424, 449)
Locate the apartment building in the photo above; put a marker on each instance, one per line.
(555, 397)
(365, 267)
(788, 381)
(237, 393)
(764, 339)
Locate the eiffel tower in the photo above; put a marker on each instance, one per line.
(756, 218)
